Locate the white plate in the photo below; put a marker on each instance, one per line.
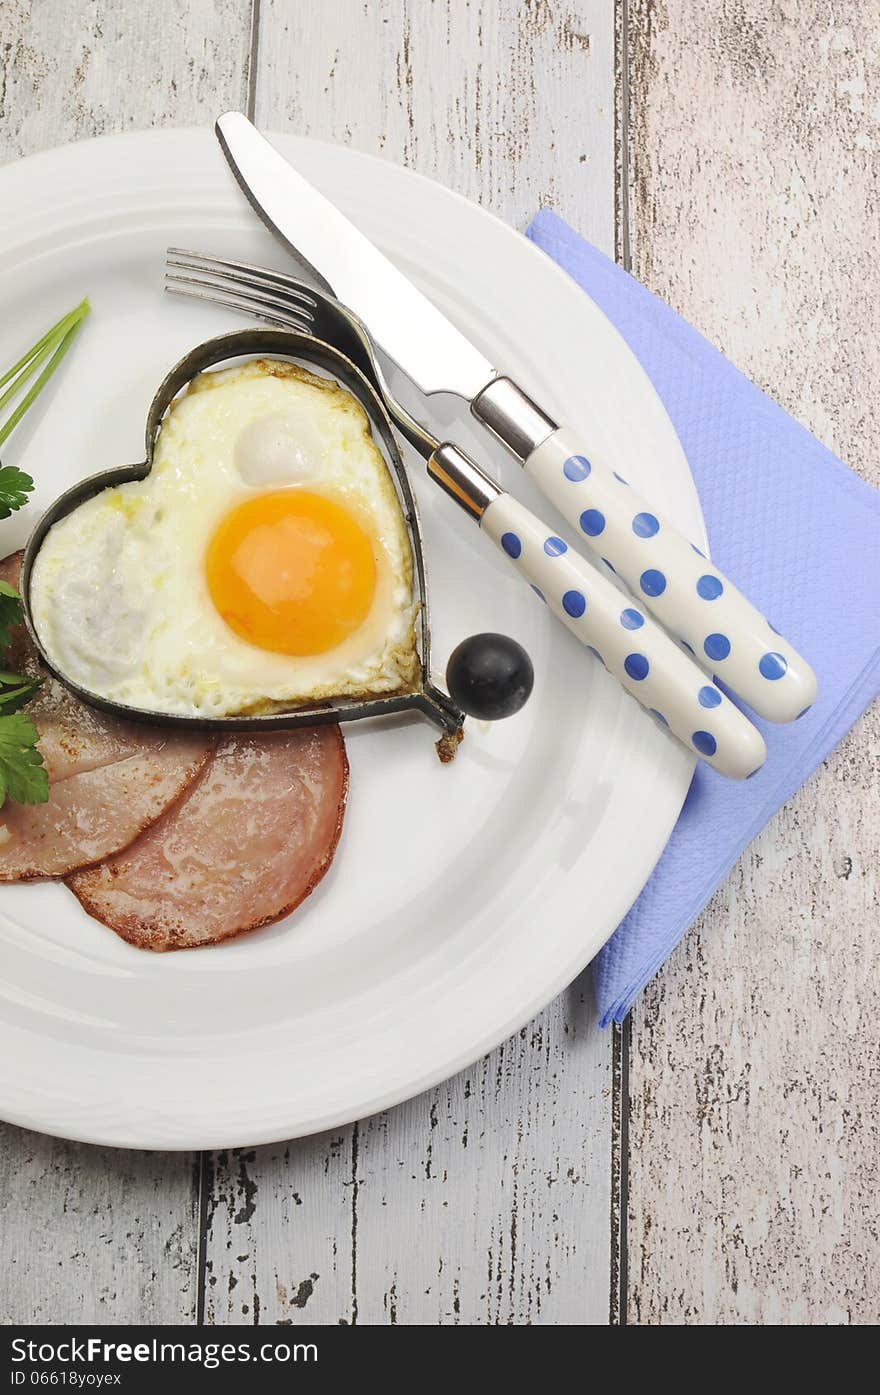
(462, 898)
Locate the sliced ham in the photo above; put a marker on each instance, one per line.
(95, 812)
(243, 847)
(108, 779)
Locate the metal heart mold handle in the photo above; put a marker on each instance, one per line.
(670, 576)
(638, 652)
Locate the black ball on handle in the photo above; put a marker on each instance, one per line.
(489, 676)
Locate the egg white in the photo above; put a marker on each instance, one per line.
(119, 595)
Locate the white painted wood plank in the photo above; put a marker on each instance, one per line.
(510, 104)
(76, 68)
(91, 1235)
(95, 1235)
(756, 1053)
(487, 1200)
(483, 1202)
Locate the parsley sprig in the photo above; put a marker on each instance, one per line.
(15, 486)
(10, 613)
(23, 777)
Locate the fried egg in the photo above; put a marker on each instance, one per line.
(263, 563)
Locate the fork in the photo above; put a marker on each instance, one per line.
(627, 640)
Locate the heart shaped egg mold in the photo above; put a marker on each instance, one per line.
(425, 697)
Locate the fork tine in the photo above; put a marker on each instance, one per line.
(285, 317)
(242, 272)
(251, 297)
(208, 271)
(288, 295)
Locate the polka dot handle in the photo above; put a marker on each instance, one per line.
(674, 580)
(635, 649)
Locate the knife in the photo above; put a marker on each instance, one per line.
(662, 568)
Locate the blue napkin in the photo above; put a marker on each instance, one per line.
(799, 533)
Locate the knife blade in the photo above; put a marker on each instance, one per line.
(667, 573)
(409, 327)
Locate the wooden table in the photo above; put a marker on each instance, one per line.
(716, 1161)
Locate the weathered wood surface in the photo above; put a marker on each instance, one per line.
(76, 68)
(755, 1069)
(483, 1202)
(89, 1235)
(487, 1200)
(511, 104)
(95, 1235)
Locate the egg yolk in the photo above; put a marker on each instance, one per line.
(292, 572)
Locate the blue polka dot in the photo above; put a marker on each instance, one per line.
(645, 525)
(576, 468)
(773, 666)
(592, 522)
(511, 544)
(609, 565)
(637, 666)
(717, 646)
(574, 603)
(554, 547)
(540, 594)
(596, 654)
(659, 715)
(619, 478)
(709, 587)
(631, 619)
(688, 647)
(709, 696)
(652, 582)
(705, 743)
